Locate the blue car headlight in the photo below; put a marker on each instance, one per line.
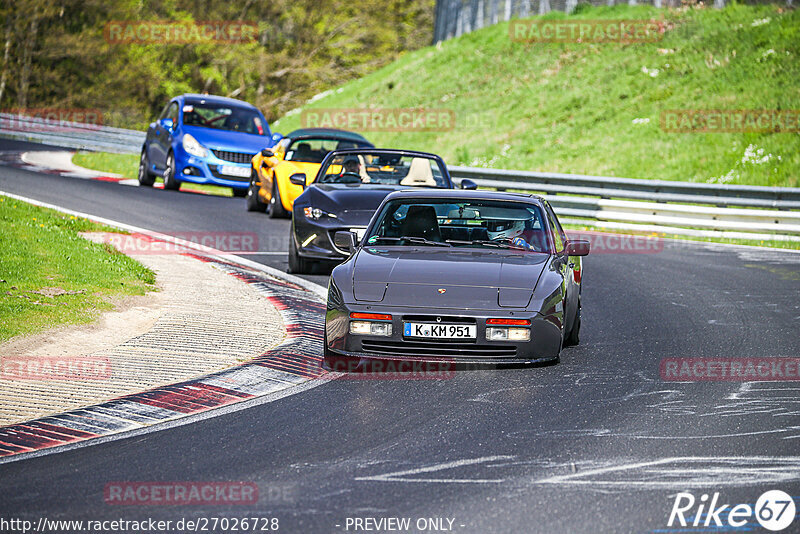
(192, 146)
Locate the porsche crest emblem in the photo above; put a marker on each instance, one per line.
(442, 291)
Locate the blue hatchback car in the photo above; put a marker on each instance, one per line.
(204, 139)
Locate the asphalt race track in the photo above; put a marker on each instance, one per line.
(597, 443)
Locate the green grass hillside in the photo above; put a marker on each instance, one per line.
(595, 108)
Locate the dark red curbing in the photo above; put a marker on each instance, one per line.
(296, 360)
(14, 159)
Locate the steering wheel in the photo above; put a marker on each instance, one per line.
(510, 241)
(348, 178)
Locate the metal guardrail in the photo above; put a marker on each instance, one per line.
(683, 208)
(71, 134)
(654, 190)
(725, 210)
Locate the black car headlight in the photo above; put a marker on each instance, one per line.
(508, 330)
(375, 324)
(315, 213)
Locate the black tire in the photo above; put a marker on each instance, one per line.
(170, 182)
(574, 335)
(253, 202)
(297, 264)
(276, 210)
(326, 352)
(146, 178)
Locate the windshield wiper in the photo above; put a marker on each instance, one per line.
(485, 242)
(415, 240)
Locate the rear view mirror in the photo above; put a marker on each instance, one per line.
(267, 153)
(577, 248)
(466, 183)
(298, 178)
(345, 240)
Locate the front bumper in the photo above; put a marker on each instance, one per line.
(206, 170)
(544, 345)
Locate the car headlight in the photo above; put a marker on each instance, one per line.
(508, 334)
(192, 146)
(316, 213)
(375, 324)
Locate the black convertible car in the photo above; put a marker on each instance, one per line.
(348, 187)
(474, 276)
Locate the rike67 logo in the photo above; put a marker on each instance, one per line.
(774, 510)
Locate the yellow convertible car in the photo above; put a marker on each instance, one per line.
(302, 151)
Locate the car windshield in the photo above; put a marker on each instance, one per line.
(314, 150)
(470, 224)
(383, 168)
(222, 117)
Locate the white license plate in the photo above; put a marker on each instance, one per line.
(231, 170)
(440, 331)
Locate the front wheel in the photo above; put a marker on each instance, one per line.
(253, 202)
(170, 182)
(574, 334)
(146, 178)
(276, 210)
(297, 264)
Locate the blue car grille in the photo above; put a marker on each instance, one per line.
(215, 172)
(234, 157)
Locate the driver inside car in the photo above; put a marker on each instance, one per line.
(350, 166)
(513, 232)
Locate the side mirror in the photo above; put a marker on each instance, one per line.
(298, 178)
(577, 248)
(345, 240)
(167, 124)
(267, 153)
(466, 183)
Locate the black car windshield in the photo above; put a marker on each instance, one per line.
(390, 169)
(223, 117)
(314, 150)
(474, 223)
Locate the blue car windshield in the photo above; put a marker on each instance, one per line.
(223, 117)
(474, 223)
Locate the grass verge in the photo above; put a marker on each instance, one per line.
(127, 165)
(50, 276)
